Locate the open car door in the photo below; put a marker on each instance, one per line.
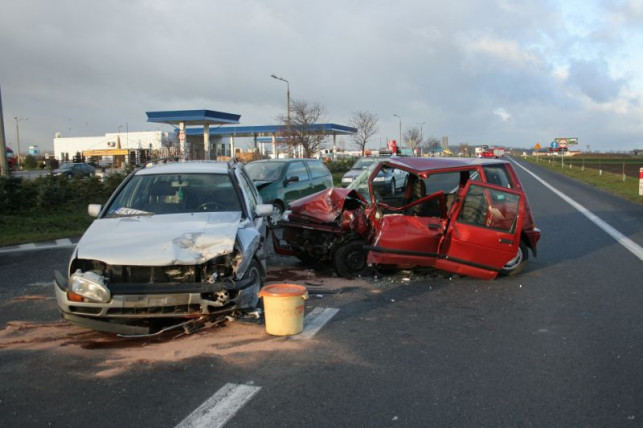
(483, 233)
(411, 237)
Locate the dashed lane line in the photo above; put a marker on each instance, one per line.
(221, 407)
(217, 410)
(314, 321)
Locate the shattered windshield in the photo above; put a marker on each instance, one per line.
(363, 163)
(175, 194)
(360, 183)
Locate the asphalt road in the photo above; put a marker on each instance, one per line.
(559, 345)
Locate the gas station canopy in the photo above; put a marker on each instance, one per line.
(270, 130)
(193, 117)
(201, 120)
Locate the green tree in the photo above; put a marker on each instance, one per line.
(30, 162)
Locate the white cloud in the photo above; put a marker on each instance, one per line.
(502, 114)
(86, 67)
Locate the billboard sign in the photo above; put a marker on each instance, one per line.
(566, 141)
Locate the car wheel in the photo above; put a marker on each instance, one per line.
(277, 211)
(518, 263)
(350, 258)
(248, 299)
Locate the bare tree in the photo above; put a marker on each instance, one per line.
(413, 137)
(465, 149)
(300, 130)
(366, 124)
(431, 145)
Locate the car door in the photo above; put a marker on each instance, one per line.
(252, 199)
(483, 233)
(297, 182)
(320, 176)
(411, 235)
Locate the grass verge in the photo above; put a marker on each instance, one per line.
(625, 187)
(35, 227)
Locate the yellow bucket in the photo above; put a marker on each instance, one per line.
(283, 306)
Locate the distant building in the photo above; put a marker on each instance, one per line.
(120, 146)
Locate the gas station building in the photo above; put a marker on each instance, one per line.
(198, 134)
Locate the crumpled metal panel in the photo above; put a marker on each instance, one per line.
(250, 241)
(323, 206)
(160, 240)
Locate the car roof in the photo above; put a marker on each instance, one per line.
(434, 163)
(210, 167)
(286, 160)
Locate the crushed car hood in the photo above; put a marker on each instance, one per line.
(324, 206)
(160, 240)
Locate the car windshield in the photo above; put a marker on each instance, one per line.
(363, 163)
(360, 183)
(175, 194)
(66, 166)
(265, 171)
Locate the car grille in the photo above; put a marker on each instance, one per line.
(157, 310)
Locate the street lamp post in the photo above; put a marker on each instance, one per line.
(18, 119)
(400, 142)
(421, 135)
(287, 109)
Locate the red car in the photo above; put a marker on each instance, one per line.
(11, 158)
(466, 216)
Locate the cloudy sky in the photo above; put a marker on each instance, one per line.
(503, 72)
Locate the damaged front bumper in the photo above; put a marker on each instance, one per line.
(131, 307)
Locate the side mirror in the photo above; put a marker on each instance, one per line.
(291, 179)
(94, 209)
(263, 210)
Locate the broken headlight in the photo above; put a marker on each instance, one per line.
(90, 286)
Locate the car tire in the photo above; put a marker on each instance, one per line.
(277, 212)
(518, 263)
(249, 296)
(350, 259)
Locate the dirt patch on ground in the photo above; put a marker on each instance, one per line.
(28, 298)
(237, 341)
(119, 354)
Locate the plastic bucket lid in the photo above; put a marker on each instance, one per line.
(282, 290)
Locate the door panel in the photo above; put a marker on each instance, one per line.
(296, 189)
(406, 240)
(484, 232)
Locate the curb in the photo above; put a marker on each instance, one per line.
(58, 243)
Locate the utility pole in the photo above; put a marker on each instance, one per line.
(4, 164)
(18, 119)
(287, 110)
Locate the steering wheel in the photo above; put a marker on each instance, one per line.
(209, 206)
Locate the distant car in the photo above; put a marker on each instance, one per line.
(388, 180)
(71, 170)
(465, 216)
(11, 158)
(281, 181)
(176, 243)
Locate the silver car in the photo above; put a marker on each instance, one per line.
(175, 244)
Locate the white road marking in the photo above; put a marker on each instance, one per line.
(626, 242)
(226, 402)
(221, 407)
(314, 321)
